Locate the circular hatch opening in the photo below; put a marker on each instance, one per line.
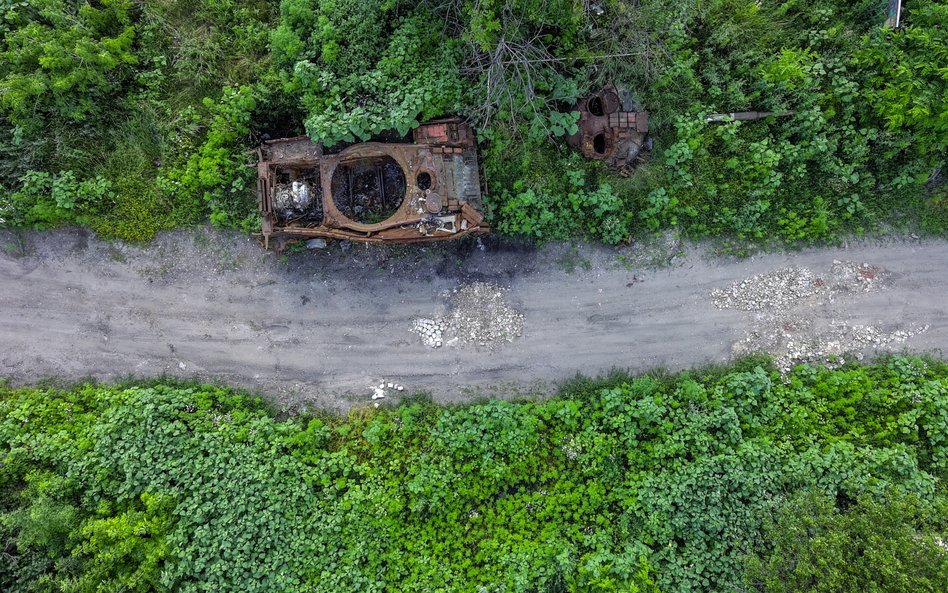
(595, 107)
(424, 181)
(599, 143)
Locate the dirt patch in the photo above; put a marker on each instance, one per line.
(317, 328)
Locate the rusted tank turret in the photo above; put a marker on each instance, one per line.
(610, 130)
(428, 190)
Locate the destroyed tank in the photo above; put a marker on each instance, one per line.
(427, 190)
(611, 130)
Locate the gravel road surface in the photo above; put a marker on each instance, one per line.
(324, 327)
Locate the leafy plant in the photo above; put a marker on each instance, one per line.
(44, 200)
(894, 545)
(64, 59)
(618, 484)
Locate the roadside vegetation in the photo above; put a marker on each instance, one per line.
(132, 117)
(731, 480)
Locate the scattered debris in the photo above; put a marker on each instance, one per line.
(777, 290)
(316, 244)
(379, 391)
(795, 336)
(795, 342)
(857, 277)
(478, 315)
(784, 288)
(431, 331)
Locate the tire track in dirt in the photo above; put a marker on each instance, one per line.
(313, 327)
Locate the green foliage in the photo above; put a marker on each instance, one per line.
(851, 155)
(139, 208)
(219, 173)
(521, 58)
(360, 68)
(552, 196)
(165, 100)
(894, 545)
(44, 200)
(127, 551)
(63, 59)
(594, 213)
(622, 484)
(116, 91)
(906, 82)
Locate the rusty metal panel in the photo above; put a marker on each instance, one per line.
(373, 192)
(609, 130)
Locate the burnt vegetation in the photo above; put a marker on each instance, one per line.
(132, 117)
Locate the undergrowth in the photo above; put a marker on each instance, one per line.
(152, 109)
(729, 479)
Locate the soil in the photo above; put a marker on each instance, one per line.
(324, 328)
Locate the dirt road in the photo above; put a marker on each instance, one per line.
(322, 327)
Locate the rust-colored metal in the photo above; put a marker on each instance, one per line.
(609, 129)
(372, 192)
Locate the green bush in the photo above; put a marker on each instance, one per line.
(183, 91)
(44, 200)
(219, 174)
(361, 68)
(621, 484)
(64, 59)
(894, 545)
(117, 91)
(541, 193)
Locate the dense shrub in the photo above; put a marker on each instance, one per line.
(893, 545)
(45, 200)
(166, 99)
(621, 484)
(132, 93)
(64, 59)
(361, 68)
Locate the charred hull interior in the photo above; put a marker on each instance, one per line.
(428, 190)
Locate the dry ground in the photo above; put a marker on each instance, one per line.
(324, 327)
